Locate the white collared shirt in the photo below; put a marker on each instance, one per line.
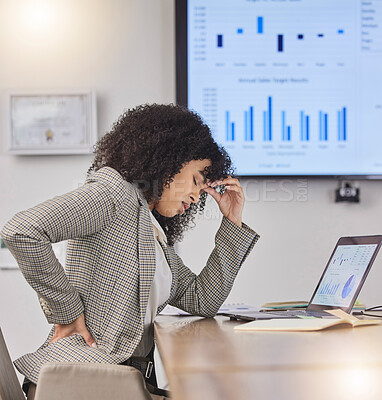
(159, 291)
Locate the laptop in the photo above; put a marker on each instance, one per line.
(339, 285)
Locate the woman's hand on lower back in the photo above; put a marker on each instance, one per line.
(78, 326)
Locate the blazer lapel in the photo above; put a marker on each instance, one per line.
(146, 254)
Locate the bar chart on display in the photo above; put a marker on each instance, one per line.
(286, 86)
(344, 272)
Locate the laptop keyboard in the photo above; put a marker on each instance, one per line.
(303, 313)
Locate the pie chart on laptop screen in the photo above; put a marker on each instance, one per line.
(348, 287)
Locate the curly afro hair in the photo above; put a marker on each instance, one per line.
(150, 144)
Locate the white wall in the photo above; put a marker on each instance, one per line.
(124, 49)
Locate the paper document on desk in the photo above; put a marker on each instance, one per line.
(171, 310)
(307, 324)
(225, 308)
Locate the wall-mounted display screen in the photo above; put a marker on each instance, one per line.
(289, 87)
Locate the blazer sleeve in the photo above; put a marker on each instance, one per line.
(29, 236)
(204, 294)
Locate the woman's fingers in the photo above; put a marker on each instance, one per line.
(213, 193)
(85, 334)
(78, 326)
(233, 188)
(227, 181)
(88, 339)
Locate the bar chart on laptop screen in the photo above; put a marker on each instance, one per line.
(285, 85)
(344, 274)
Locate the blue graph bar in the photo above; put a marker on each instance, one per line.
(341, 31)
(320, 123)
(344, 122)
(283, 125)
(227, 125)
(302, 125)
(265, 125)
(251, 121)
(280, 44)
(307, 127)
(260, 25)
(329, 289)
(269, 118)
(326, 288)
(339, 125)
(233, 130)
(326, 126)
(220, 40)
(289, 129)
(246, 125)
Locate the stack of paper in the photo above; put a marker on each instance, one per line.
(307, 324)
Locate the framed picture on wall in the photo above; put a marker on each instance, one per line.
(50, 122)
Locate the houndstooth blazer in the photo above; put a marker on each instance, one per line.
(109, 268)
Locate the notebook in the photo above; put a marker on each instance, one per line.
(339, 285)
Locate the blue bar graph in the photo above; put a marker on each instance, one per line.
(329, 289)
(230, 128)
(220, 41)
(246, 125)
(341, 124)
(283, 125)
(285, 130)
(265, 119)
(242, 30)
(260, 25)
(251, 122)
(269, 118)
(323, 126)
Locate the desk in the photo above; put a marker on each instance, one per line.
(206, 359)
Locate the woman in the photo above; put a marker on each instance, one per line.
(150, 176)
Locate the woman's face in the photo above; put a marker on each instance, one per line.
(185, 189)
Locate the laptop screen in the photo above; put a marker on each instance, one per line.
(344, 275)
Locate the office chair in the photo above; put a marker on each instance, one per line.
(76, 381)
(10, 388)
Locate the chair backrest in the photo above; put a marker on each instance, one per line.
(9, 384)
